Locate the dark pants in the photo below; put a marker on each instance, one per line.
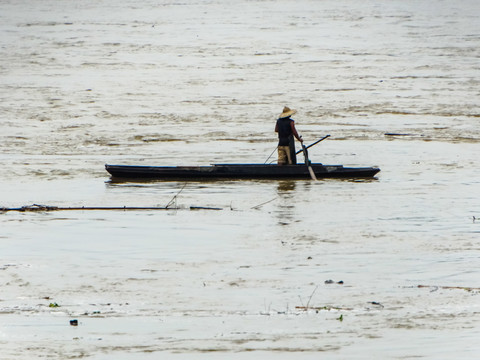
(293, 156)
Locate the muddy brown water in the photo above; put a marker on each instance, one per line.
(187, 83)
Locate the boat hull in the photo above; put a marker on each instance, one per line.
(238, 171)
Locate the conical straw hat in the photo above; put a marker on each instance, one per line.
(287, 112)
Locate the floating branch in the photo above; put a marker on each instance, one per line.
(398, 134)
(36, 207)
(204, 208)
(321, 308)
(311, 295)
(466, 288)
(266, 202)
(174, 199)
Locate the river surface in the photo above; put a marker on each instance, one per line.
(396, 85)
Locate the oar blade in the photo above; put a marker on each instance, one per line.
(307, 162)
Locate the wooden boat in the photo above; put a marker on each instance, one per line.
(307, 170)
(239, 171)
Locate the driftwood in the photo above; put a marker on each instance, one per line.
(398, 134)
(37, 207)
(174, 199)
(435, 287)
(204, 208)
(320, 308)
(266, 202)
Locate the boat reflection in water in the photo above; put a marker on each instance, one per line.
(285, 186)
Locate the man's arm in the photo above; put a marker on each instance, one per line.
(294, 131)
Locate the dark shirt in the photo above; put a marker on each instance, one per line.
(284, 131)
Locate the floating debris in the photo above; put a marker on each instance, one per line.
(333, 282)
(435, 287)
(322, 308)
(398, 134)
(204, 208)
(37, 207)
(256, 207)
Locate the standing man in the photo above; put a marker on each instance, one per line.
(285, 128)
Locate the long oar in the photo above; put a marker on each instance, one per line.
(315, 143)
(307, 162)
